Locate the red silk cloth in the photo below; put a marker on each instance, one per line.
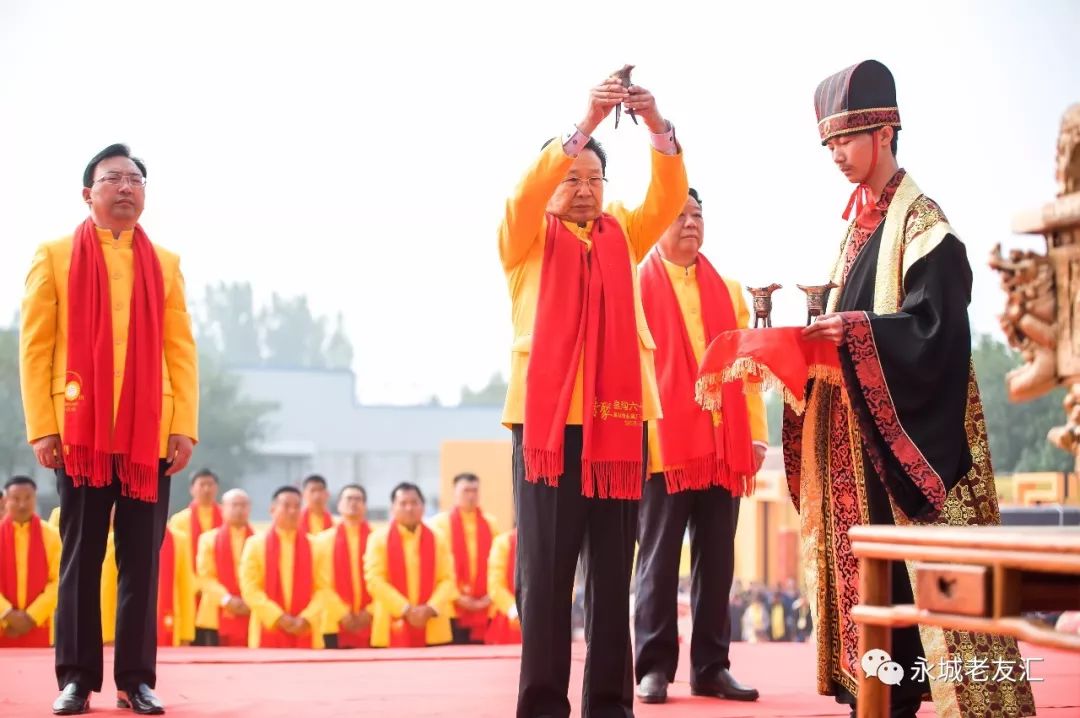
(771, 358)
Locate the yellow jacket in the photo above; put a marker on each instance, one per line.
(684, 284)
(183, 591)
(43, 338)
(39, 607)
(264, 611)
(110, 576)
(502, 596)
(211, 590)
(440, 524)
(390, 604)
(334, 608)
(522, 235)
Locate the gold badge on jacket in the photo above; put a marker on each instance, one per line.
(73, 387)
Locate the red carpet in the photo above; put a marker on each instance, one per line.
(469, 682)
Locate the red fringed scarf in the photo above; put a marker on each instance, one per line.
(302, 580)
(471, 580)
(37, 576)
(343, 569)
(232, 630)
(586, 304)
(197, 529)
(700, 449)
(96, 445)
(166, 584)
(402, 635)
(305, 521)
(502, 630)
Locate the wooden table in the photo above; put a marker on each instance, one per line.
(971, 578)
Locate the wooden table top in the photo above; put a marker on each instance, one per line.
(1055, 539)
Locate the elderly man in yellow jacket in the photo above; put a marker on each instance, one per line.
(279, 580)
(410, 576)
(223, 617)
(110, 391)
(700, 463)
(339, 559)
(202, 514)
(468, 531)
(582, 386)
(29, 568)
(505, 624)
(176, 592)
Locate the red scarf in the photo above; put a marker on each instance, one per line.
(343, 565)
(586, 304)
(94, 444)
(503, 630)
(700, 449)
(475, 621)
(302, 579)
(402, 635)
(37, 576)
(305, 521)
(233, 630)
(166, 598)
(197, 529)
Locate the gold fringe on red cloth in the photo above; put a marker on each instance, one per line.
(775, 359)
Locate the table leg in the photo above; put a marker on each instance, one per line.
(875, 590)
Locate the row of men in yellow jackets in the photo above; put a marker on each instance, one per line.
(344, 586)
(427, 586)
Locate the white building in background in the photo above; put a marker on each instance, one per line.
(318, 427)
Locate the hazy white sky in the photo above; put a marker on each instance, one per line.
(361, 153)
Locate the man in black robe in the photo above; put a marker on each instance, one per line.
(903, 440)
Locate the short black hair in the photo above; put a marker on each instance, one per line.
(358, 487)
(117, 150)
(695, 195)
(466, 476)
(314, 479)
(593, 145)
(406, 486)
(285, 490)
(20, 480)
(204, 472)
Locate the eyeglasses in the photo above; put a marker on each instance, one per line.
(576, 182)
(118, 179)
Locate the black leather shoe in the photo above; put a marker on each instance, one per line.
(140, 700)
(653, 688)
(724, 685)
(73, 700)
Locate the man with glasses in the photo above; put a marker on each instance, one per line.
(110, 390)
(582, 385)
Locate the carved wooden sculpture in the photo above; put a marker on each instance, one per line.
(1042, 309)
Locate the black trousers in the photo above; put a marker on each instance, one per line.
(555, 526)
(712, 516)
(206, 637)
(462, 634)
(139, 529)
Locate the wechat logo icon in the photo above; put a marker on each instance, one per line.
(879, 664)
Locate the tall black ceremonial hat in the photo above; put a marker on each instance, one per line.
(859, 98)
